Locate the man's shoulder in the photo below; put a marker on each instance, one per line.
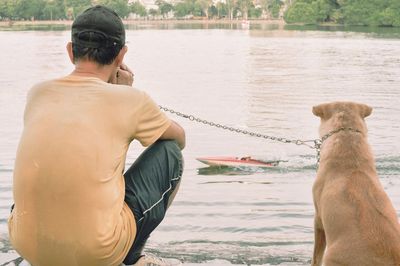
(106, 87)
(123, 88)
(44, 83)
(40, 86)
(50, 83)
(125, 91)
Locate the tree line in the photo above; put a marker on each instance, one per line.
(203, 9)
(350, 12)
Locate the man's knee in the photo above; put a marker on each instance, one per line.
(171, 151)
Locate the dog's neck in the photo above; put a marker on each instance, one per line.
(338, 148)
(326, 136)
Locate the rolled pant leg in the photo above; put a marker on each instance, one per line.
(149, 183)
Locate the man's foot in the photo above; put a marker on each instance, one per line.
(152, 260)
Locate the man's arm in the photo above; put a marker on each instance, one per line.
(175, 132)
(125, 76)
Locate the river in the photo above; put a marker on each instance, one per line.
(263, 79)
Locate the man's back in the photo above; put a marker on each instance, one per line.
(68, 183)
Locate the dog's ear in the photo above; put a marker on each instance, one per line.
(364, 110)
(320, 110)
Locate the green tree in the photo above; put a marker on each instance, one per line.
(301, 12)
(181, 9)
(272, 7)
(213, 12)
(54, 9)
(198, 9)
(203, 5)
(351, 12)
(231, 5)
(186, 8)
(275, 8)
(255, 12)
(8, 9)
(138, 8)
(389, 17)
(119, 6)
(222, 10)
(29, 9)
(324, 9)
(164, 7)
(49, 9)
(75, 7)
(153, 12)
(244, 6)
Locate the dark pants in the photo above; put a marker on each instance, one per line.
(149, 183)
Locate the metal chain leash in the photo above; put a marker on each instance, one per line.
(245, 132)
(316, 143)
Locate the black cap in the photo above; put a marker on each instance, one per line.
(97, 27)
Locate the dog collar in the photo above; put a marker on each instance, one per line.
(319, 142)
(338, 130)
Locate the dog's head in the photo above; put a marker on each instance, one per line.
(342, 114)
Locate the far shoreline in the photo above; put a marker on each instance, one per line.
(254, 24)
(12, 23)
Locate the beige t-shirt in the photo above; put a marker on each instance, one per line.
(68, 178)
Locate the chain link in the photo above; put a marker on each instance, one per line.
(241, 131)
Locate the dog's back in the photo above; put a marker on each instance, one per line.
(352, 209)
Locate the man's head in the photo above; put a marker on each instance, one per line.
(97, 35)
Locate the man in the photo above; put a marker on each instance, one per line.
(73, 205)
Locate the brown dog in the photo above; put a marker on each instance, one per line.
(355, 220)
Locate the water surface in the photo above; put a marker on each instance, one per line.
(265, 80)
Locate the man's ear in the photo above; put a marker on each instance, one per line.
(120, 57)
(70, 53)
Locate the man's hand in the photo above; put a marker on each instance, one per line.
(123, 76)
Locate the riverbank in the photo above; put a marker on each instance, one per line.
(140, 22)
